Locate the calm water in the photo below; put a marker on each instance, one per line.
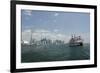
(54, 53)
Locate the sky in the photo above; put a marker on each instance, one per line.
(55, 24)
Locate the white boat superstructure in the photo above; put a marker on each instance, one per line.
(76, 41)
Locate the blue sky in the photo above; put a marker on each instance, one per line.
(66, 23)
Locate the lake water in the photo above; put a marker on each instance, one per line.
(46, 53)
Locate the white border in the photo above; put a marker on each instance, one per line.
(20, 65)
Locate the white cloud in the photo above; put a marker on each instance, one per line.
(28, 12)
(56, 30)
(56, 14)
(26, 35)
(38, 34)
(41, 33)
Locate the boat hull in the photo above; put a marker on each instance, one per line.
(76, 44)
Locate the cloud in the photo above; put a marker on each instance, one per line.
(56, 14)
(26, 35)
(55, 30)
(41, 33)
(28, 12)
(38, 34)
